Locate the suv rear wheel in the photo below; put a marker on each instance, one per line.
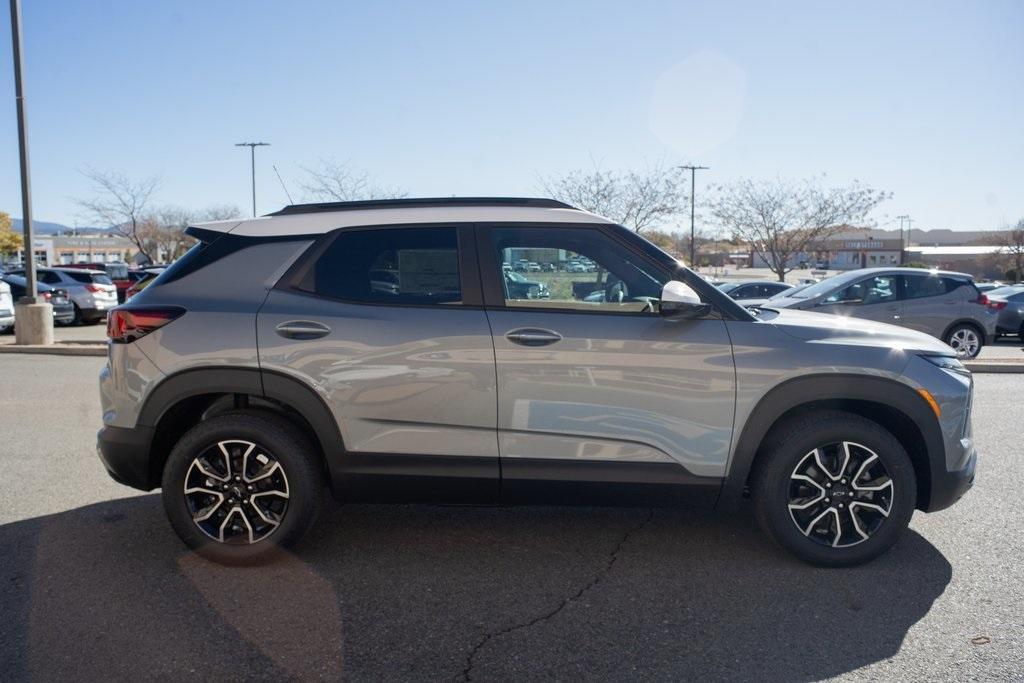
(239, 486)
(834, 489)
(965, 340)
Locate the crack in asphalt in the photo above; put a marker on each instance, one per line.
(467, 671)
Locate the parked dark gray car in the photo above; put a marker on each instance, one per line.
(269, 362)
(1010, 320)
(944, 304)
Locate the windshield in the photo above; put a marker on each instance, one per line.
(728, 286)
(786, 293)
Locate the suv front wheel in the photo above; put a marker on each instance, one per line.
(238, 487)
(834, 489)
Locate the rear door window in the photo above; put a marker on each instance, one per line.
(417, 266)
(923, 286)
(49, 277)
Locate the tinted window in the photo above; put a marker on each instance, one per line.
(921, 286)
(578, 268)
(745, 292)
(395, 266)
(48, 276)
(873, 290)
(87, 278)
(117, 271)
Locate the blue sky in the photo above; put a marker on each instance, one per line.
(925, 100)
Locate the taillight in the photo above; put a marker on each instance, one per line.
(46, 295)
(994, 305)
(94, 288)
(125, 325)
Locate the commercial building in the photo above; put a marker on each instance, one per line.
(61, 250)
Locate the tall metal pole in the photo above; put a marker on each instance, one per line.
(26, 185)
(910, 222)
(252, 160)
(693, 206)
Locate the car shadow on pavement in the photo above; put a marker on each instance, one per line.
(456, 593)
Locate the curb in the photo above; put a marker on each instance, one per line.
(63, 349)
(982, 367)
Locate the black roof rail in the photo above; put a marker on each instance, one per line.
(420, 203)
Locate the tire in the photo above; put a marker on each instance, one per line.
(273, 522)
(834, 540)
(1020, 333)
(965, 339)
(78, 319)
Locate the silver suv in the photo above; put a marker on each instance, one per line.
(377, 349)
(91, 291)
(941, 303)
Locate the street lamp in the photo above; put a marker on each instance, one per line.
(33, 320)
(252, 153)
(693, 204)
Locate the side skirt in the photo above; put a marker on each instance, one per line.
(543, 481)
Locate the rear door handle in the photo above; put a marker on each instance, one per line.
(302, 329)
(533, 337)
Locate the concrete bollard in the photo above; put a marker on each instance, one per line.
(33, 324)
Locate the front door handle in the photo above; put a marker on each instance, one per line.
(302, 329)
(533, 337)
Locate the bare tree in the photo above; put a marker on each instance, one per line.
(637, 199)
(339, 182)
(122, 204)
(164, 229)
(782, 219)
(1012, 243)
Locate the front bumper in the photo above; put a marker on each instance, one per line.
(949, 486)
(125, 454)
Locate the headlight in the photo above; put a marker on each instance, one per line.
(948, 363)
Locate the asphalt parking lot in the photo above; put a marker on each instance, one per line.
(93, 583)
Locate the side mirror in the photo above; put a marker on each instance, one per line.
(679, 302)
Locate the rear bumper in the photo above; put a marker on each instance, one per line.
(97, 310)
(125, 454)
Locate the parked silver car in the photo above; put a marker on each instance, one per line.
(265, 365)
(91, 291)
(944, 304)
(1011, 316)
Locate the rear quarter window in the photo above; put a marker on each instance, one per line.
(91, 278)
(391, 266)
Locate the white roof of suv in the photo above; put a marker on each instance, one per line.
(312, 219)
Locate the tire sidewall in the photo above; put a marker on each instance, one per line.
(279, 440)
(773, 490)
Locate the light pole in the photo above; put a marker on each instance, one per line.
(252, 154)
(33, 320)
(910, 222)
(693, 205)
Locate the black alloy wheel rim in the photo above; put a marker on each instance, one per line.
(840, 494)
(236, 492)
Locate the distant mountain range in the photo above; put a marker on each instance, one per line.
(45, 228)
